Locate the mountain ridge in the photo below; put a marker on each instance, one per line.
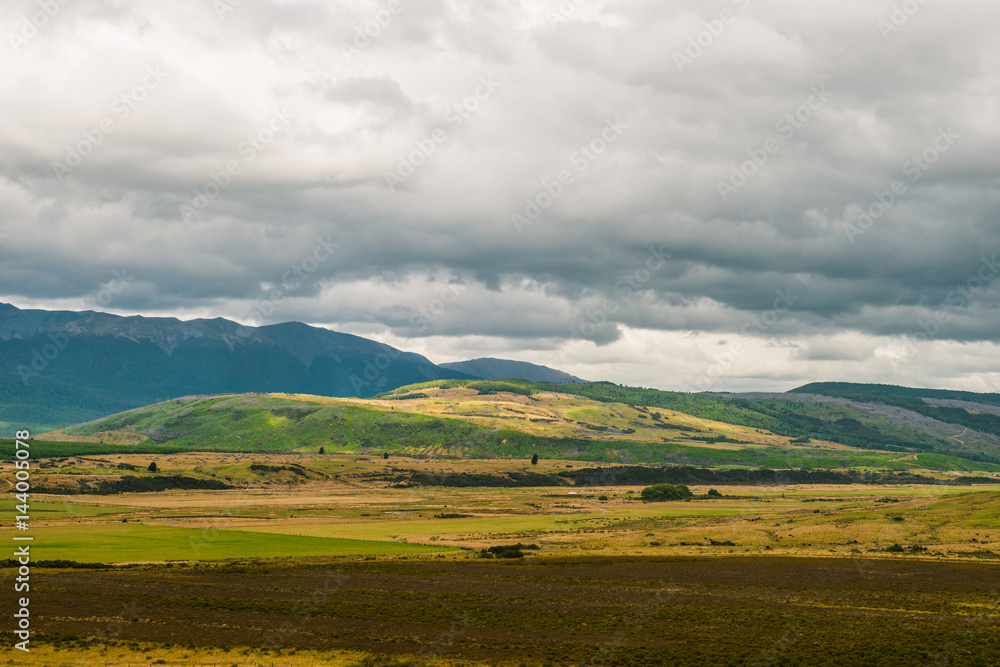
(62, 367)
(491, 368)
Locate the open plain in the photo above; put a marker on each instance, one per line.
(340, 559)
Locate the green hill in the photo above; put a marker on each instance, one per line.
(887, 392)
(516, 419)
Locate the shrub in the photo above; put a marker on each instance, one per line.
(602, 497)
(660, 492)
(405, 397)
(712, 493)
(507, 550)
(486, 387)
(504, 552)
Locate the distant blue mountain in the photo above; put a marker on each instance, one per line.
(59, 367)
(502, 369)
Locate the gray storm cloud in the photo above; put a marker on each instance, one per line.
(494, 176)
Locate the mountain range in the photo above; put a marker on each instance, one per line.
(62, 367)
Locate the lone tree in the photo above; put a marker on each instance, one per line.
(385, 455)
(534, 459)
(322, 450)
(152, 467)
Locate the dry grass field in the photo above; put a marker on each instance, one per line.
(304, 499)
(338, 564)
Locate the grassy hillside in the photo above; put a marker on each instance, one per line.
(882, 392)
(841, 423)
(511, 419)
(256, 422)
(975, 411)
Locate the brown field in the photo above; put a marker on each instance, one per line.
(540, 611)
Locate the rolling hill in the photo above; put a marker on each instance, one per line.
(598, 422)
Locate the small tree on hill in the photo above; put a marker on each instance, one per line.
(385, 455)
(152, 467)
(322, 450)
(534, 459)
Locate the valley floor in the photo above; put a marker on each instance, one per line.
(540, 611)
(316, 560)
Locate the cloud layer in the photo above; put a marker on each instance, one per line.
(747, 194)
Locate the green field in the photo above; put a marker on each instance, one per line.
(123, 543)
(53, 511)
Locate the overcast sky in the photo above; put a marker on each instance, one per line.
(747, 194)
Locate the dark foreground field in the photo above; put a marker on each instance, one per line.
(646, 611)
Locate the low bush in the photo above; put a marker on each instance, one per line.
(507, 550)
(660, 492)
